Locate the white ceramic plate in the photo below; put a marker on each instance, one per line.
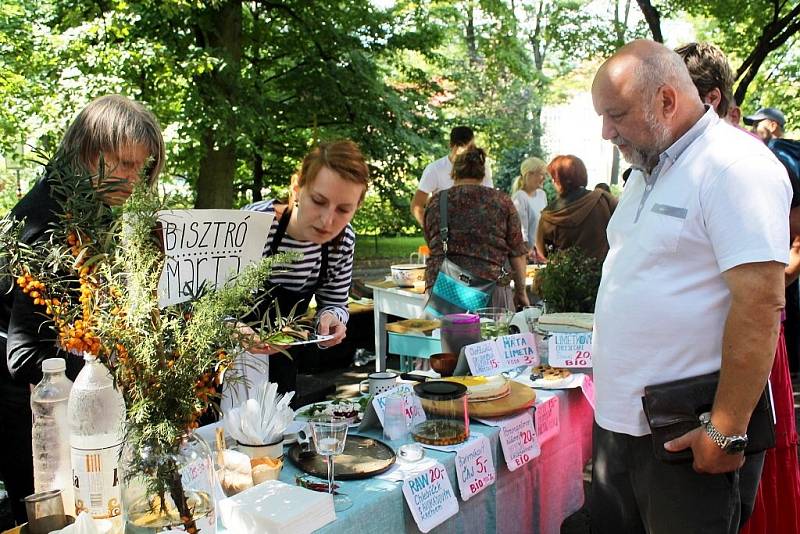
(313, 338)
(569, 382)
(304, 413)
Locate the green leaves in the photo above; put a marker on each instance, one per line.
(569, 281)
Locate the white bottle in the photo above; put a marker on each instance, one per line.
(96, 421)
(52, 465)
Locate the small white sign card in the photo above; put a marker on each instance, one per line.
(430, 497)
(474, 466)
(517, 438)
(547, 417)
(207, 246)
(489, 358)
(412, 407)
(570, 349)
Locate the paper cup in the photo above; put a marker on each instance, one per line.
(272, 450)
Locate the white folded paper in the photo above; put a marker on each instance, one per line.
(274, 507)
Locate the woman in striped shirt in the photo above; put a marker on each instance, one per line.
(324, 197)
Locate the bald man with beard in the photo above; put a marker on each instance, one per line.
(692, 284)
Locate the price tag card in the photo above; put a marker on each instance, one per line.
(430, 497)
(517, 438)
(570, 349)
(547, 418)
(587, 386)
(483, 358)
(474, 466)
(489, 358)
(518, 349)
(412, 407)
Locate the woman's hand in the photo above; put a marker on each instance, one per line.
(329, 324)
(253, 344)
(521, 298)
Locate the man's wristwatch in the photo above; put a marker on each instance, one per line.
(730, 444)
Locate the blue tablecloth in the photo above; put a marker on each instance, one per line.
(535, 498)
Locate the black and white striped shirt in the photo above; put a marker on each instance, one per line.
(303, 274)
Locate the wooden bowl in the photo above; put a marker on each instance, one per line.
(444, 363)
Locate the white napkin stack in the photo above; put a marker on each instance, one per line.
(85, 524)
(274, 507)
(261, 420)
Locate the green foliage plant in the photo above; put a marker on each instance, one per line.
(95, 274)
(569, 281)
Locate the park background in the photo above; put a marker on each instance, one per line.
(243, 89)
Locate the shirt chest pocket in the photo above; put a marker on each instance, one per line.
(661, 228)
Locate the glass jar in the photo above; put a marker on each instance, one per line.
(459, 330)
(446, 414)
(162, 485)
(494, 322)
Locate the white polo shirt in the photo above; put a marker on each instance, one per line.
(718, 199)
(436, 176)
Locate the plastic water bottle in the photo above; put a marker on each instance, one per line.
(96, 422)
(51, 452)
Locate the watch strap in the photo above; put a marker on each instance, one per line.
(722, 441)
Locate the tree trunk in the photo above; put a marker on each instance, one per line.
(773, 36)
(472, 48)
(220, 32)
(217, 169)
(653, 19)
(614, 167)
(258, 177)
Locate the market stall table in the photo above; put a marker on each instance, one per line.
(535, 498)
(389, 299)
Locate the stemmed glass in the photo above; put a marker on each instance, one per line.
(330, 434)
(532, 314)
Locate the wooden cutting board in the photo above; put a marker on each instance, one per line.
(423, 326)
(521, 398)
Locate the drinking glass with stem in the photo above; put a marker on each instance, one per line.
(330, 434)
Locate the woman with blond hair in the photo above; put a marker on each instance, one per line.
(324, 197)
(530, 199)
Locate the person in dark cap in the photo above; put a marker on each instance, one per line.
(767, 123)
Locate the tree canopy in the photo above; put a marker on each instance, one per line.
(244, 88)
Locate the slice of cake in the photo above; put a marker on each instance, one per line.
(584, 321)
(483, 388)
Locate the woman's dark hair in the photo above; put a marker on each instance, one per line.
(604, 186)
(470, 164)
(461, 136)
(569, 172)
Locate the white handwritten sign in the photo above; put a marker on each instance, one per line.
(587, 386)
(207, 247)
(474, 466)
(570, 349)
(489, 358)
(517, 439)
(412, 407)
(547, 417)
(430, 497)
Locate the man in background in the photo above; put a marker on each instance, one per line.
(779, 488)
(768, 124)
(437, 175)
